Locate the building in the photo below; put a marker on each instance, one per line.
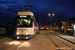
(55, 26)
(9, 28)
(59, 24)
(70, 22)
(2, 30)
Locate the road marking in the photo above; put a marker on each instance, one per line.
(7, 45)
(20, 45)
(12, 43)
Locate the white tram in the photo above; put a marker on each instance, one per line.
(27, 26)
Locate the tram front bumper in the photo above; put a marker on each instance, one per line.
(23, 36)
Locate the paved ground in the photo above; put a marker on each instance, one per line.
(44, 40)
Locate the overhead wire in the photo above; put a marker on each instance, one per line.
(26, 2)
(29, 4)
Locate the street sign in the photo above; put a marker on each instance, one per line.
(74, 30)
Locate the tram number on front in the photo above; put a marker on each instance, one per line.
(22, 32)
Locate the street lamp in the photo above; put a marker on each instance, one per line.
(51, 18)
(48, 14)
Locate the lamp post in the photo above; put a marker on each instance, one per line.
(51, 18)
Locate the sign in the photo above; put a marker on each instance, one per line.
(74, 27)
(22, 29)
(23, 16)
(22, 32)
(74, 30)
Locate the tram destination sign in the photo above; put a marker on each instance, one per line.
(23, 16)
(26, 16)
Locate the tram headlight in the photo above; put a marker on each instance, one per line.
(26, 37)
(17, 37)
(26, 33)
(17, 33)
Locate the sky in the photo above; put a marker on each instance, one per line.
(63, 9)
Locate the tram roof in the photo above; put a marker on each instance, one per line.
(25, 12)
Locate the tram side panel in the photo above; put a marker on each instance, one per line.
(35, 27)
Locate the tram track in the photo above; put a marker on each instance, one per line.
(55, 41)
(52, 42)
(65, 42)
(63, 38)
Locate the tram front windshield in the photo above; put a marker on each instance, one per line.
(24, 22)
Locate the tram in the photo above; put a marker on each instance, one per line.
(26, 25)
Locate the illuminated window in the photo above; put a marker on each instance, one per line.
(23, 16)
(25, 22)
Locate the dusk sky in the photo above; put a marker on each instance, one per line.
(63, 9)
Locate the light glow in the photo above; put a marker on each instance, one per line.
(74, 27)
(27, 44)
(17, 33)
(53, 14)
(21, 46)
(17, 43)
(69, 29)
(47, 28)
(35, 27)
(17, 37)
(42, 27)
(26, 37)
(62, 27)
(10, 43)
(26, 33)
(48, 14)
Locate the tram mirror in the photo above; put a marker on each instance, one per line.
(32, 17)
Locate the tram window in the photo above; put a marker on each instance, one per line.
(25, 22)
